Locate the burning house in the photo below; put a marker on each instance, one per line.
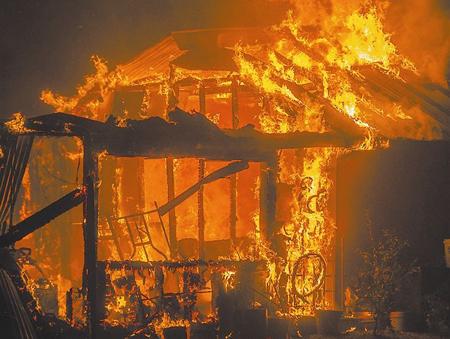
(202, 180)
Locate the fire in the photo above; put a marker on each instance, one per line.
(76, 155)
(121, 306)
(312, 228)
(102, 81)
(229, 277)
(364, 42)
(304, 71)
(63, 285)
(166, 321)
(284, 71)
(17, 124)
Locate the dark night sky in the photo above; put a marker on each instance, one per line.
(48, 44)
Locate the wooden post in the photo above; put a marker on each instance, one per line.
(268, 190)
(172, 216)
(201, 174)
(233, 181)
(171, 104)
(90, 231)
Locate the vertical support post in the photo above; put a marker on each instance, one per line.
(172, 215)
(201, 174)
(268, 198)
(90, 231)
(172, 101)
(233, 181)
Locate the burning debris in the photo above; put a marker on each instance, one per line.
(207, 166)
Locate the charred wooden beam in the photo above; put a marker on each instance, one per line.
(201, 211)
(16, 151)
(233, 181)
(184, 135)
(43, 217)
(90, 232)
(69, 305)
(268, 190)
(172, 216)
(170, 175)
(201, 175)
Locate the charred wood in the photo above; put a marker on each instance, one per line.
(184, 135)
(172, 216)
(268, 192)
(201, 175)
(90, 233)
(170, 172)
(233, 181)
(43, 217)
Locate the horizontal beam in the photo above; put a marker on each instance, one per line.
(183, 136)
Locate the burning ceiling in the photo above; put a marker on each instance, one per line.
(282, 103)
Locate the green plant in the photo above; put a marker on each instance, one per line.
(385, 267)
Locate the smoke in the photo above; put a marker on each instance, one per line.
(420, 29)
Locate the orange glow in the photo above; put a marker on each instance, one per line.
(318, 66)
